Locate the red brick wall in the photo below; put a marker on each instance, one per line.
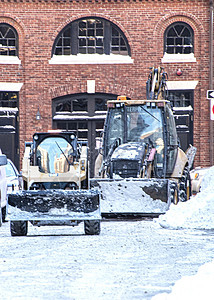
(143, 23)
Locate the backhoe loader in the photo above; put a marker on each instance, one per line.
(141, 168)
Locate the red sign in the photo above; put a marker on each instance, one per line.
(212, 109)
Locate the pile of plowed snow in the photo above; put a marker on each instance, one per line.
(197, 287)
(197, 213)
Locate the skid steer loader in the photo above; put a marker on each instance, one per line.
(55, 177)
(140, 168)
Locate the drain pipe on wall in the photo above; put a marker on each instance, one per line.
(211, 77)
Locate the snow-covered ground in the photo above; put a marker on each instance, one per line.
(169, 258)
(197, 213)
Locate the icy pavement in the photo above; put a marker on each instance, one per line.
(129, 260)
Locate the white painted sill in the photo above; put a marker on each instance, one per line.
(9, 60)
(90, 59)
(174, 58)
(181, 84)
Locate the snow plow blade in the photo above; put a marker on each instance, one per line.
(53, 205)
(133, 196)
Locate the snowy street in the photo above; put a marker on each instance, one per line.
(129, 260)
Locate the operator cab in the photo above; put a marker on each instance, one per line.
(144, 122)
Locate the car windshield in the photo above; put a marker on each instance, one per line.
(10, 170)
(54, 155)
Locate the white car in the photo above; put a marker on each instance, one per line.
(14, 178)
(3, 187)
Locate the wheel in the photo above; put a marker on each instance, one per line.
(174, 193)
(185, 186)
(18, 228)
(92, 227)
(3, 213)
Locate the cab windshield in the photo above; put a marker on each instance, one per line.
(54, 155)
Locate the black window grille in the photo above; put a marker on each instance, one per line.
(179, 39)
(8, 40)
(80, 104)
(181, 98)
(91, 36)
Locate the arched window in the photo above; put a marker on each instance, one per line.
(8, 40)
(91, 36)
(179, 39)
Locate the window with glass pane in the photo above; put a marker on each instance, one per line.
(8, 99)
(118, 45)
(8, 40)
(100, 104)
(72, 125)
(181, 98)
(63, 45)
(91, 36)
(80, 105)
(64, 106)
(179, 39)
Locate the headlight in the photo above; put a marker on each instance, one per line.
(36, 137)
(196, 175)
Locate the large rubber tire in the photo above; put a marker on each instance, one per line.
(3, 213)
(185, 186)
(18, 228)
(174, 193)
(0, 218)
(92, 227)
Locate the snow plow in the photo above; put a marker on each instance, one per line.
(55, 180)
(140, 169)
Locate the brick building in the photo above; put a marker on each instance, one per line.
(61, 60)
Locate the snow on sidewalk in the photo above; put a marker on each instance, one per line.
(197, 287)
(197, 213)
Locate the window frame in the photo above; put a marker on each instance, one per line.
(107, 38)
(175, 46)
(16, 38)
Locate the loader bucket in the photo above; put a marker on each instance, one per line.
(53, 205)
(133, 196)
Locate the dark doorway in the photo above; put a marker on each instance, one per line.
(84, 114)
(9, 126)
(182, 102)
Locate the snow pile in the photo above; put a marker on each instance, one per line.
(197, 287)
(197, 213)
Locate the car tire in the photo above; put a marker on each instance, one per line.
(0, 217)
(3, 213)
